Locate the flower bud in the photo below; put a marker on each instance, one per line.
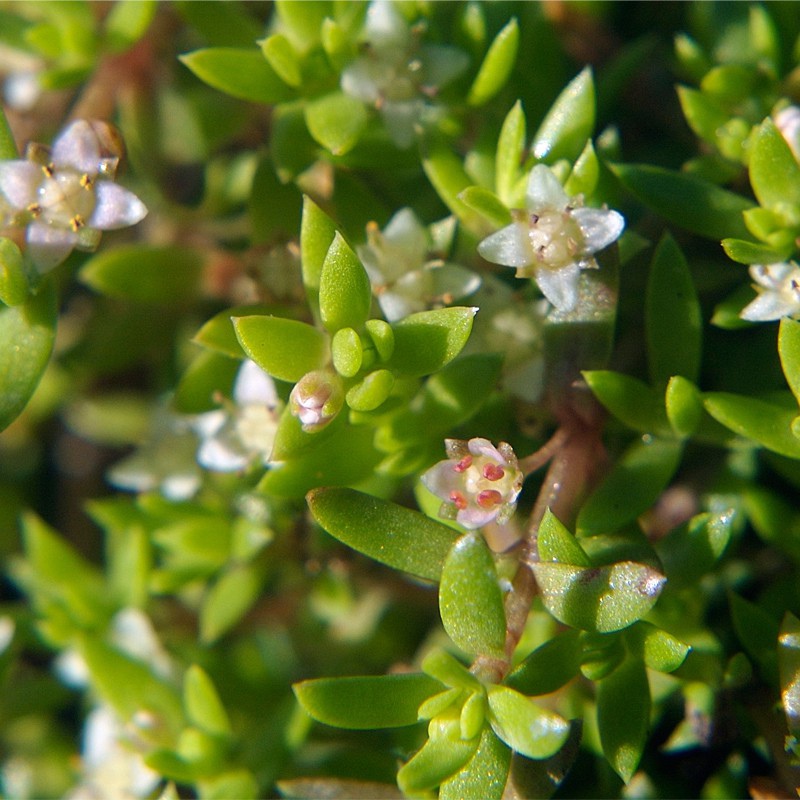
(316, 399)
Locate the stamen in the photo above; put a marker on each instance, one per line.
(534, 219)
(458, 500)
(493, 472)
(77, 222)
(49, 170)
(87, 182)
(489, 498)
(463, 465)
(35, 210)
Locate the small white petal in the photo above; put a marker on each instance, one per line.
(362, 79)
(771, 276)
(544, 191)
(216, 454)
(385, 26)
(253, 386)
(48, 246)
(508, 246)
(401, 120)
(769, 306)
(560, 286)
(476, 517)
(600, 227)
(406, 232)
(396, 306)
(116, 207)
(77, 147)
(19, 182)
(209, 423)
(483, 447)
(441, 64)
(180, 487)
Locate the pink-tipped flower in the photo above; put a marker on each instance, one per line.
(316, 399)
(66, 196)
(479, 483)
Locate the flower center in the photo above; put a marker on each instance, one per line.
(555, 237)
(66, 198)
(256, 426)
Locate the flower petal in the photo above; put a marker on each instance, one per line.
(253, 386)
(769, 306)
(772, 276)
(600, 227)
(508, 246)
(19, 182)
(116, 207)
(77, 147)
(475, 517)
(560, 286)
(385, 26)
(219, 455)
(544, 191)
(49, 246)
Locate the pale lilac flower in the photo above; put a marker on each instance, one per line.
(787, 121)
(479, 483)
(778, 287)
(397, 74)
(553, 238)
(243, 433)
(67, 196)
(316, 399)
(403, 279)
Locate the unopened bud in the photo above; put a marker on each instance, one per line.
(316, 399)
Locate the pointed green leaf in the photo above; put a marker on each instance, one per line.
(510, 147)
(229, 599)
(630, 400)
(753, 252)
(447, 669)
(789, 351)
(208, 376)
(371, 391)
(526, 728)
(366, 702)
(439, 703)
(282, 58)
(219, 335)
(704, 208)
(569, 122)
(302, 21)
(487, 204)
(757, 631)
(556, 543)
(441, 757)
(239, 783)
(317, 232)
(285, 348)
(774, 171)
(13, 280)
(389, 533)
(484, 776)
(470, 600)
(239, 72)
(660, 650)
(347, 352)
(426, 341)
(446, 174)
(496, 66)
(336, 121)
(704, 115)
(344, 291)
(684, 405)
(585, 173)
(789, 666)
(8, 147)
(550, 666)
(766, 423)
(27, 333)
(673, 318)
(634, 484)
(623, 716)
(127, 21)
(202, 703)
(602, 599)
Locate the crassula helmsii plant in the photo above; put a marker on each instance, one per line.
(305, 493)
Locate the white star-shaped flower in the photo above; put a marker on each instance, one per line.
(403, 279)
(235, 437)
(778, 287)
(67, 196)
(553, 238)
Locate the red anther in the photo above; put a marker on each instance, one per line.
(458, 500)
(463, 465)
(489, 498)
(493, 472)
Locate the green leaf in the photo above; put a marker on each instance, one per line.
(484, 776)
(704, 115)
(550, 666)
(371, 391)
(661, 650)
(444, 754)
(207, 376)
(758, 632)
(8, 147)
(146, 274)
(366, 702)
(229, 599)
(280, 54)
(633, 485)
(623, 716)
(447, 669)
(768, 424)
(753, 252)
(470, 600)
(203, 706)
(557, 544)
(317, 233)
(673, 318)
(426, 341)
(585, 173)
(221, 24)
(13, 279)
(789, 666)
(127, 22)
(447, 176)
(704, 208)
(568, 123)
(526, 728)
(602, 599)
(487, 204)
(239, 783)
(789, 351)
(630, 400)
(774, 171)
(510, 147)
(336, 121)
(347, 352)
(219, 335)
(389, 533)
(27, 333)
(303, 21)
(497, 65)
(684, 405)
(285, 348)
(239, 72)
(344, 290)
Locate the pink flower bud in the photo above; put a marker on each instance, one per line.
(316, 399)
